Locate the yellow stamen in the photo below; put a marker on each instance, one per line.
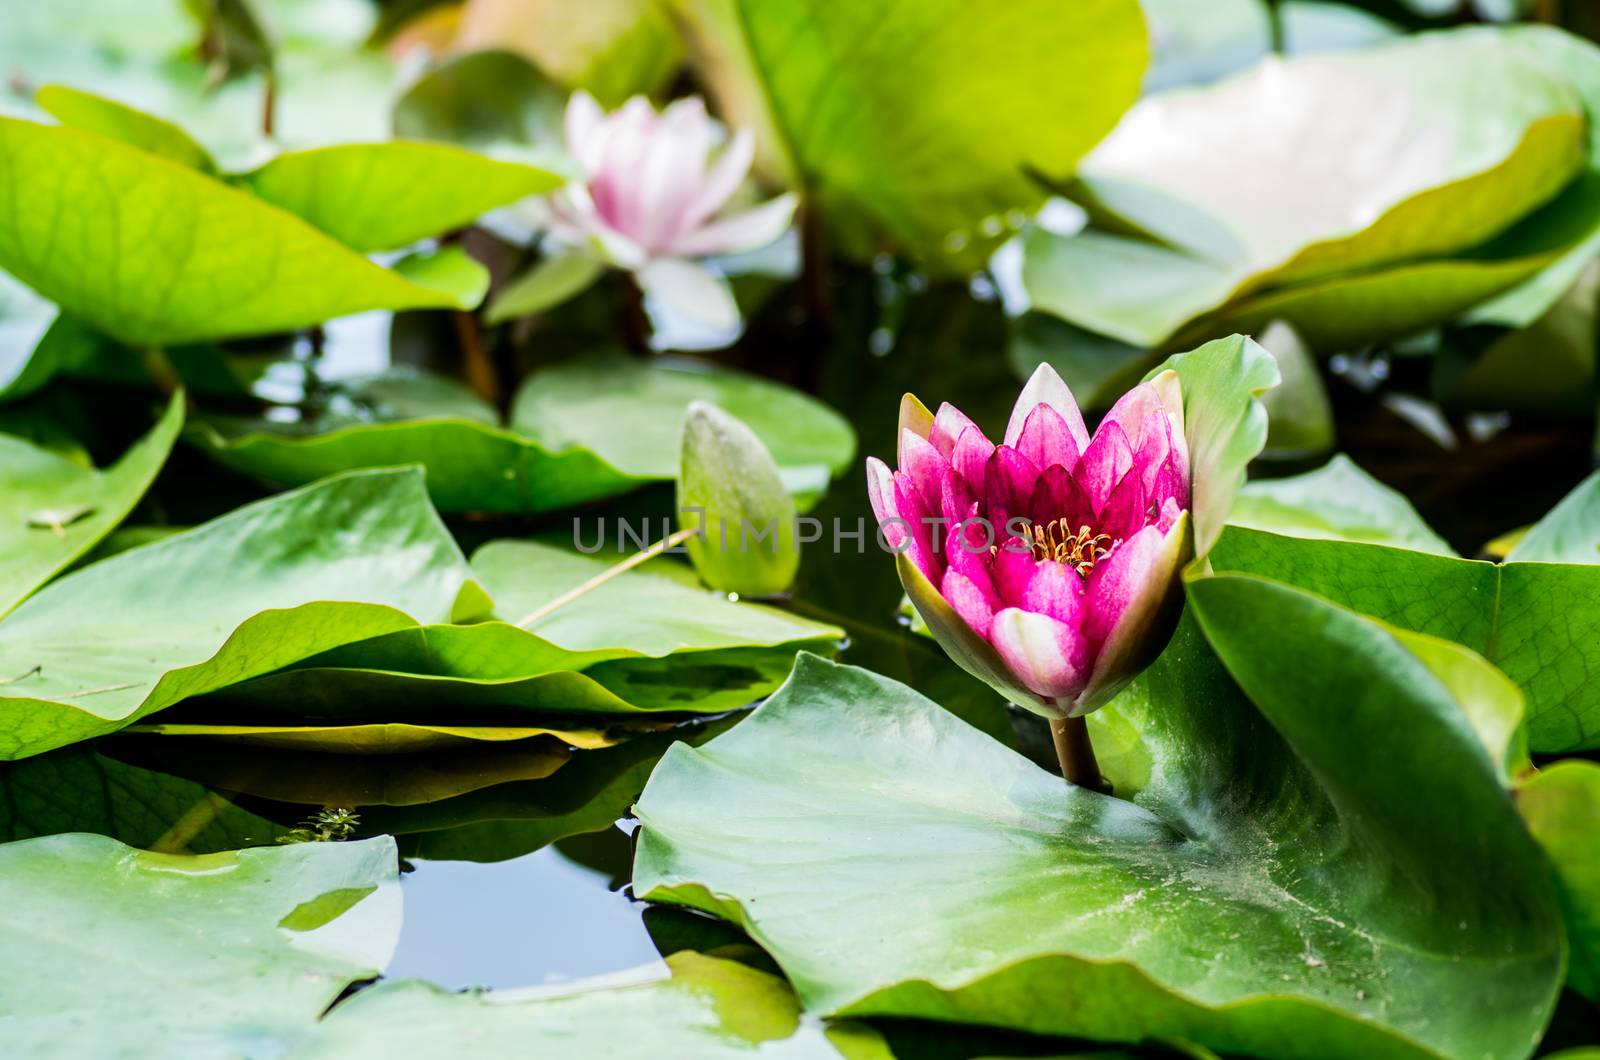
(1079, 549)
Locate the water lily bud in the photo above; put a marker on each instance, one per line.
(1046, 565)
(730, 489)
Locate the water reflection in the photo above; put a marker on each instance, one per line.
(532, 920)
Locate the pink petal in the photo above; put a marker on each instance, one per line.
(1125, 512)
(1058, 495)
(1046, 439)
(1013, 571)
(585, 124)
(1056, 590)
(921, 463)
(1009, 478)
(1170, 511)
(1045, 387)
(916, 528)
(880, 489)
(970, 456)
(747, 230)
(955, 499)
(1108, 458)
(721, 180)
(1170, 483)
(1138, 568)
(948, 426)
(1128, 592)
(615, 186)
(1046, 656)
(672, 169)
(969, 601)
(967, 553)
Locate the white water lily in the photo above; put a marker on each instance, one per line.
(649, 199)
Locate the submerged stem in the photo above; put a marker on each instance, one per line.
(1076, 754)
(158, 366)
(676, 538)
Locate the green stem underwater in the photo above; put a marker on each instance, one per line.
(1076, 754)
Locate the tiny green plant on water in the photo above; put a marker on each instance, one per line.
(333, 825)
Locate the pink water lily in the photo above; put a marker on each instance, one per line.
(1047, 565)
(650, 199)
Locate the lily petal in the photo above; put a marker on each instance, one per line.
(1046, 387)
(922, 464)
(1009, 479)
(1058, 495)
(970, 457)
(721, 180)
(880, 489)
(1108, 458)
(749, 229)
(948, 426)
(1014, 569)
(968, 600)
(1048, 657)
(1046, 439)
(1125, 512)
(1128, 593)
(585, 127)
(690, 290)
(1058, 591)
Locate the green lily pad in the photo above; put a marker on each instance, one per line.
(629, 411)
(1561, 804)
(588, 794)
(322, 777)
(1569, 532)
(388, 195)
(1436, 228)
(1465, 135)
(650, 640)
(1263, 893)
(147, 250)
(124, 638)
(1536, 621)
(52, 511)
(481, 98)
(374, 738)
(917, 125)
(580, 431)
(77, 789)
(702, 1007)
(117, 950)
(1338, 502)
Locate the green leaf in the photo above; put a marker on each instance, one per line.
(126, 637)
(150, 251)
(915, 126)
(615, 49)
(1577, 61)
(729, 489)
(116, 950)
(581, 431)
(588, 794)
(1561, 804)
(79, 790)
(480, 99)
(711, 1008)
(1343, 902)
(1224, 422)
(1503, 135)
(349, 776)
(629, 411)
(1299, 415)
(98, 114)
(1339, 502)
(1538, 622)
(374, 738)
(389, 195)
(554, 280)
(52, 511)
(25, 319)
(1569, 532)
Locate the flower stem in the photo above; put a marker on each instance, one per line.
(1076, 753)
(676, 538)
(158, 366)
